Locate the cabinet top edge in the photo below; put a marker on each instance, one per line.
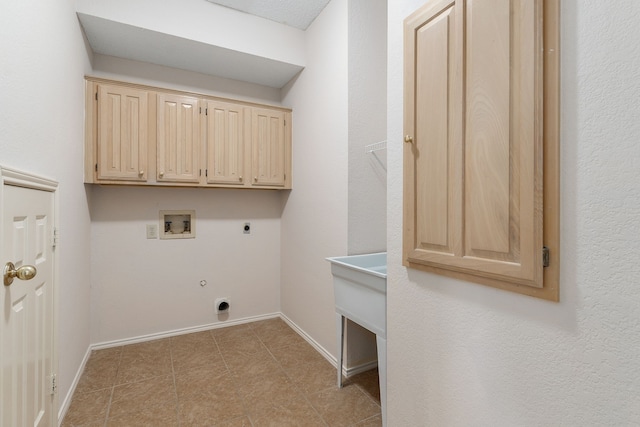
(102, 80)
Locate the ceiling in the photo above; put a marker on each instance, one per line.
(110, 34)
(295, 13)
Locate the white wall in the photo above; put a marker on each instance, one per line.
(207, 23)
(463, 354)
(145, 286)
(314, 220)
(42, 63)
(367, 125)
(367, 226)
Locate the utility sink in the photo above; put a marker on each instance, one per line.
(360, 288)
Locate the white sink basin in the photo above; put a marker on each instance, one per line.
(360, 287)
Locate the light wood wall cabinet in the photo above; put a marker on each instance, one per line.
(140, 135)
(481, 181)
(178, 139)
(226, 143)
(268, 147)
(122, 134)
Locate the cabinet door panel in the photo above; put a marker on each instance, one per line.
(432, 186)
(178, 139)
(225, 143)
(122, 133)
(268, 147)
(473, 174)
(503, 139)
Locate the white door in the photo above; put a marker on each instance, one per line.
(27, 327)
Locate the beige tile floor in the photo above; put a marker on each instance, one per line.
(258, 374)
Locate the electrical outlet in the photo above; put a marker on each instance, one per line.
(247, 228)
(152, 231)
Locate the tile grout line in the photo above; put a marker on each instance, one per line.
(235, 390)
(175, 386)
(303, 393)
(113, 387)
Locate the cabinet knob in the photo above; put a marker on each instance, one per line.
(408, 139)
(255, 178)
(161, 174)
(141, 173)
(240, 178)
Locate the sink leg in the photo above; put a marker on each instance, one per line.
(340, 329)
(382, 375)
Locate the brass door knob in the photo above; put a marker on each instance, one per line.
(408, 139)
(26, 272)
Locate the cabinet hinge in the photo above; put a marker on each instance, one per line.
(96, 96)
(54, 384)
(200, 174)
(96, 167)
(206, 111)
(206, 172)
(55, 238)
(545, 256)
(200, 111)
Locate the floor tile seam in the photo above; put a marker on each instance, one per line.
(369, 418)
(233, 340)
(289, 377)
(315, 409)
(224, 359)
(153, 377)
(175, 387)
(106, 415)
(367, 395)
(363, 391)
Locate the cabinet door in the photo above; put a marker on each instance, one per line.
(225, 143)
(178, 138)
(122, 133)
(474, 92)
(268, 147)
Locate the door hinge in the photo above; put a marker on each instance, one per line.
(55, 237)
(54, 384)
(545, 256)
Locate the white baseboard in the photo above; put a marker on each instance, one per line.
(176, 332)
(346, 372)
(66, 402)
